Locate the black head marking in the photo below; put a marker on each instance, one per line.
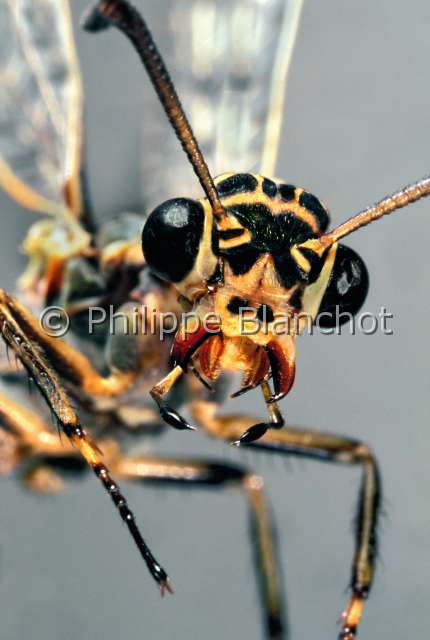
(171, 238)
(229, 234)
(238, 183)
(258, 219)
(296, 299)
(269, 188)
(287, 192)
(265, 313)
(236, 304)
(270, 234)
(241, 259)
(294, 231)
(289, 271)
(312, 204)
(316, 262)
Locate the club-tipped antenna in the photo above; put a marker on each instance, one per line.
(127, 19)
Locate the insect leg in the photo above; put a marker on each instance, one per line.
(12, 329)
(34, 443)
(328, 448)
(30, 430)
(187, 341)
(68, 362)
(210, 474)
(281, 354)
(160, 391)
(276, 421)
(337, 449)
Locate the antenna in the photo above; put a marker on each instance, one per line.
(387, 205)
(121, 14)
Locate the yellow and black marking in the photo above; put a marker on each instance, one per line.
(252, 259)
(15, 330)
(182, 240)
(264, 216)
(271, 217)
(253, 241)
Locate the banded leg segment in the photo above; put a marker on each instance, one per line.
(328, 448)
(29, 352)
(193, 472)
(68, 362)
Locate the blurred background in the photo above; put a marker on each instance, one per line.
(355, 129)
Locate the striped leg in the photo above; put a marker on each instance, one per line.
(16, 333)
(329, 448)
(29, 436)
(195, 472)
(68, 362)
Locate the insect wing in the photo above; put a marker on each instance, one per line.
(229, 60)
(40, 106)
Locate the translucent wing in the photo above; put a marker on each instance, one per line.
(229, 60)
(40, 106)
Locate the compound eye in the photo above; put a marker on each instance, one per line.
(171, 238)
(346, 290)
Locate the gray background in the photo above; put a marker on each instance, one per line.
(357, 128)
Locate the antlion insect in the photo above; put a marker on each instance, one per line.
(75, 264)
(253, 242)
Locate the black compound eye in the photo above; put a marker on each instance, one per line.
(171, 238)
(346, 290)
